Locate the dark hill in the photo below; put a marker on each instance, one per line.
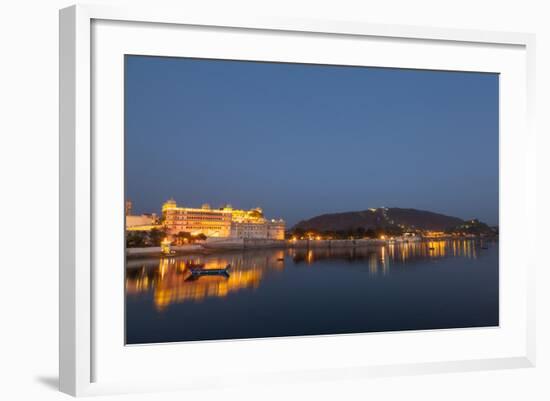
(380, 218)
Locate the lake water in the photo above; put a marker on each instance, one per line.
(291, 292)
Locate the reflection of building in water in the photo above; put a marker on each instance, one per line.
(222, 222)
(379, 258)
(170, 289)
(171, 281)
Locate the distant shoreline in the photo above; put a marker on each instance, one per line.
(254, 244)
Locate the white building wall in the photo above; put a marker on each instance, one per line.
(141, 220)
(276, 230)
(248, 230)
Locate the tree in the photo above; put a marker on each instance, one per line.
(156, 236)
(182, 237)
(370, 233)
(394, 230)
(136, 239)
(299, 232)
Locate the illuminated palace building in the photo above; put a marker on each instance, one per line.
(222, 222)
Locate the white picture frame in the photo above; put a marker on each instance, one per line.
(83, 344)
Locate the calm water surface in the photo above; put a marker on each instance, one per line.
(427, 285)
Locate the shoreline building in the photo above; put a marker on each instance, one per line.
(224, 222)
(142, 222)
(128, 207)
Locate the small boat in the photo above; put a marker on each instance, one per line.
(199, 271)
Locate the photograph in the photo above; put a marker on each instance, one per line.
(276, 199)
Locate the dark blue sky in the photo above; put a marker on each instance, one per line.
(302, 140)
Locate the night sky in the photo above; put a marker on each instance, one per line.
(301, 140)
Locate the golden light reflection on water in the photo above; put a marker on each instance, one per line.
(172, 282)
(170, 279)
(380, 258)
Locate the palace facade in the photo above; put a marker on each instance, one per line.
(222, 222)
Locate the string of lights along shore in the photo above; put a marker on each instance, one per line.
(223, 222)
